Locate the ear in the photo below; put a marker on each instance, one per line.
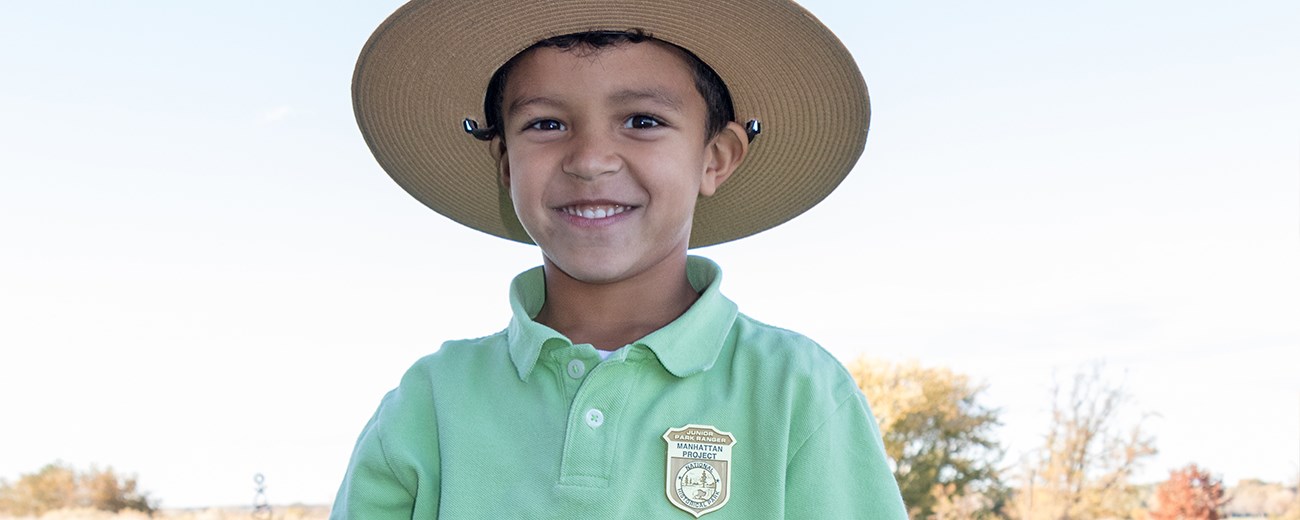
(724, 152)
(503, 162)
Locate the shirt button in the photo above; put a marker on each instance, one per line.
(577, 369)
(595, 418)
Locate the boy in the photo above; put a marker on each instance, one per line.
(626, 385)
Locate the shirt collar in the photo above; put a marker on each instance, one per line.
(686, 346)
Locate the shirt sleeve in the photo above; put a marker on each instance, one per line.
(389, 476)
(841, 471)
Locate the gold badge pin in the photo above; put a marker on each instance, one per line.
(698, 478)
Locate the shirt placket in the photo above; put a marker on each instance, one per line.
(595, 413)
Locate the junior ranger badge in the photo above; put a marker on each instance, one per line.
(699, 468)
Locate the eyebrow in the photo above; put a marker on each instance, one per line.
(653, 95)
(532, 100)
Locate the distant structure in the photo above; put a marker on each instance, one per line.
(261, 508)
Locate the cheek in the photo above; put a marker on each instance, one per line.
(681, 177)
(521, 174)
(532, 157)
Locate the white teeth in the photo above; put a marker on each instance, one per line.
(594, 212)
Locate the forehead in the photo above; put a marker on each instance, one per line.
(583, 72)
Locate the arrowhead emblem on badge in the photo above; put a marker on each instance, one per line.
(698, 478)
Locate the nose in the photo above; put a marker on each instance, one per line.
(591, 155)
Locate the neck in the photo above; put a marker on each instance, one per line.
(611, 315)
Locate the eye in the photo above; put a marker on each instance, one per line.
(642, 121)
(546, 125)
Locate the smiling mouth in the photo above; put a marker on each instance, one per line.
(592, 212)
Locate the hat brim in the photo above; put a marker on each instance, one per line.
(427, 67)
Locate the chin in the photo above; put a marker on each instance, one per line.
(592, 270)
(611, 263)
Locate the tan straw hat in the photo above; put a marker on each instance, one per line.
(426, 69)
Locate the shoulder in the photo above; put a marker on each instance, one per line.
(788, 352)
(795, 373)
(451, 369)
(453, 359)
(792, 361)
(405, 426)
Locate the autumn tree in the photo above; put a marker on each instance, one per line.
(59, 486)
(938, 435)
(1189, 494)
(1083, 468)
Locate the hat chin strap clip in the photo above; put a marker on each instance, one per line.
(483, 134)
(753, 128)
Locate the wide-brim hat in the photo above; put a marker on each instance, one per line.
(427, 67)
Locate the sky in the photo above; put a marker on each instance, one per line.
(204, 275)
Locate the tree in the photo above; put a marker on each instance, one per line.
(1189, 494)
(59, 486)
(937, 434)
(1084, 465)
(1292, 510)
(1292, 513)
(1254, 497)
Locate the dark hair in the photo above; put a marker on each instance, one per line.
(717, 99)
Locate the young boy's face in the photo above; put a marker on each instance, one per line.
(606, 154)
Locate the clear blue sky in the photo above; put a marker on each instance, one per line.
(203, 273)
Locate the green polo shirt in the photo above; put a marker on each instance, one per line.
(526, 424)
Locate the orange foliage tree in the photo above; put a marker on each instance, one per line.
(1189, 494)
